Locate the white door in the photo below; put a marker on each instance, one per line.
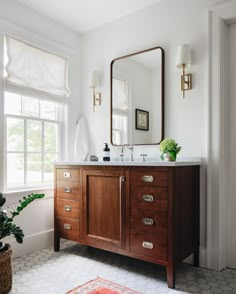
(231, 149)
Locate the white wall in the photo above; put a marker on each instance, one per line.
(37, 220)
(166, 24)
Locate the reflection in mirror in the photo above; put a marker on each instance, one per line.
(137, 98)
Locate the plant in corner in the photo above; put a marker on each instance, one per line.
(8, 228)
(170, 149)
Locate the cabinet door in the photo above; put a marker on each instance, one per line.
(103, 208)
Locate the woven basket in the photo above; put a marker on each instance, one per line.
(5, 271)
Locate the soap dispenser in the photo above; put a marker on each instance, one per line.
(106, 153)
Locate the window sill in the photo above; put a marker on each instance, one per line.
(27, 191)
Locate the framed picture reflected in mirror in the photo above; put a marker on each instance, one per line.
(141, 120)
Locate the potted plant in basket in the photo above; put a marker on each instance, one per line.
(7, 228)
(169, 149)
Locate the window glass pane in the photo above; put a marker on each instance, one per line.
(34, 136)
(15, 134)
(34, 169)
(49, 159)
(48, 110)
(15, 170)
(30, 107)
(51, 137)
(12, 103)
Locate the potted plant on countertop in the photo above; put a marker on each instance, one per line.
(169, 149)
(8, 228)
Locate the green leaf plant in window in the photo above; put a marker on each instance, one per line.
(9, 228)
(169, 149)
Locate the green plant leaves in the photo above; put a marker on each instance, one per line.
(2, 200)
(7, 227)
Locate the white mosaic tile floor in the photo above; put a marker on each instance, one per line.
(49, 272)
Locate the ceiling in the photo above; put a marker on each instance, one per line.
(86, 15)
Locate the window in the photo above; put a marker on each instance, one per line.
(120, 123)
(33, 129)
(35, 98)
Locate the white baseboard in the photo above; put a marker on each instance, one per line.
(32, 243)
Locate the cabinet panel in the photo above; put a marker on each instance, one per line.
(68, 190)
(149, 245)
(149, 198)
(67, 228)
(149, 221)
(103, 205)
(67, 208)
(149, 178)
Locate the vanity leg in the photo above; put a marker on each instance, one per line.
(196, 258)
(170, 271)
(56, 243)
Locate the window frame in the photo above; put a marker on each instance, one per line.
(61, 123)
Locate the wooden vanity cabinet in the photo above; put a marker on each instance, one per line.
(149, 213)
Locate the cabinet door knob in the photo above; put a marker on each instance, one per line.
(66, 174)
(67, 226)
(147, 179)
(147, 221)
(67, 190)
(147, 198)
(148, 245)
(67, 208)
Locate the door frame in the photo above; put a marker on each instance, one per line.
(219, 17)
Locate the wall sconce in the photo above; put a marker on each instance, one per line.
(182, 61)
(94, 81)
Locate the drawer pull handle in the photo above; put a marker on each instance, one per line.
(147, 221)
(147, 179)
(67, 226)
(67, 208)
(66, 174)
(148, 245)
(147, 198)
(67, 190)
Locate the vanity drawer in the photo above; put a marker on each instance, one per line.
(149, 198)
(148, 221)
(149, 245)
(68, 174)
(149, 177)
(67, 228)
(67, 208)
(68, 190)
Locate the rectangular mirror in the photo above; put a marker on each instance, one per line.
(137, 98)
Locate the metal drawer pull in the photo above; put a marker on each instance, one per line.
(67, 208)
(67, 175)
(67, 190)
(147, 179)
(147, 198)
(67, 226)
(148, 245)
(147, 221)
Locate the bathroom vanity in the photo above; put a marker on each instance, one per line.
(149, 211)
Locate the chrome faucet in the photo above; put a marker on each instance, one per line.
(131, 148)
(122, 152)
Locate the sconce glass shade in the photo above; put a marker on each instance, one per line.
(183, 55)
(94, 79)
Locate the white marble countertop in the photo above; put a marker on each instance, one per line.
(148, 162)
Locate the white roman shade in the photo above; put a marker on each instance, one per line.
(32, 69)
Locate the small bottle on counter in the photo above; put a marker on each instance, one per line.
(106, 153)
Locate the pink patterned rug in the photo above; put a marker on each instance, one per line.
(101, 286)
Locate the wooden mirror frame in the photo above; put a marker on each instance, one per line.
(162, 91)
